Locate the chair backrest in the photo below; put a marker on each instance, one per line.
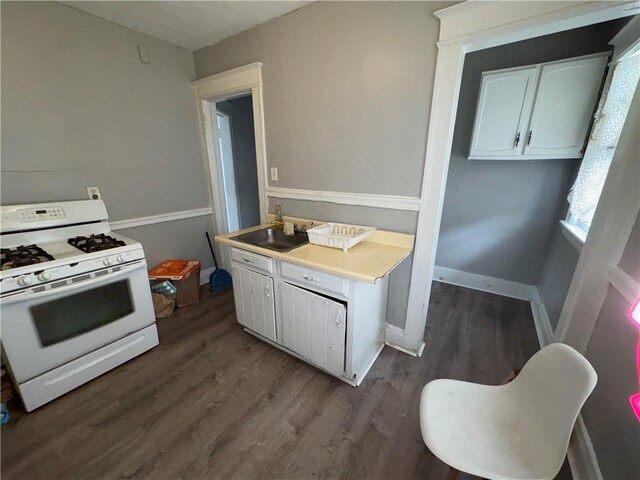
(552, 387)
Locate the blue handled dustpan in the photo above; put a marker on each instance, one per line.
(219, 278)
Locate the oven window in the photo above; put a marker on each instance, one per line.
(76, 314)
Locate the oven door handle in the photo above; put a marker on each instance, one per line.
(72, 288)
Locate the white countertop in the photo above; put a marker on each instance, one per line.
(368, 261)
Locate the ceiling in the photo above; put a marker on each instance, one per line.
(190, 25)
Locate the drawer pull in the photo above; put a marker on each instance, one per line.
(338, 319)
(310, 279)
(267, 292)
(248, 260)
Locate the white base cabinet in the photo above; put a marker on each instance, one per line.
(314, 327)
(253, 293)
(332, 322)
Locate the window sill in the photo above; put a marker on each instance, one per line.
(575, 235)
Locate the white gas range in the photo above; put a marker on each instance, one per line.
(74, 297)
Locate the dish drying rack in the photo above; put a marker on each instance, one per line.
(339, 235)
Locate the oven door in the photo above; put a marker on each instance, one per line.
(43, 330)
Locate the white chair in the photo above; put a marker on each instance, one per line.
(519, 430)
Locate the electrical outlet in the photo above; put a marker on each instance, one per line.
(274, 174)
(94, 193)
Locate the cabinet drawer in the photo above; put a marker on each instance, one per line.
(315, 280)
(252, 261)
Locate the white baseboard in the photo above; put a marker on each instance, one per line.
(581, 455)
(369, 365)
(505, 288)
(394, 334)
(205, 274)
(541, 320)
(394, 338)
(484, 283)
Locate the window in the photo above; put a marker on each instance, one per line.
(608, 122)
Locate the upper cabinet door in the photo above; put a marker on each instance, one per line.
(563, 108)
(503, 107)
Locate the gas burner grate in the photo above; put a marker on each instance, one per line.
(22, 256)
(95, 243)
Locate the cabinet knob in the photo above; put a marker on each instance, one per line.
(338, 319)
(529, 137)
(267, 292)
(517, 140)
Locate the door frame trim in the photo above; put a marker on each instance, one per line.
(232, 83)
(465, 28)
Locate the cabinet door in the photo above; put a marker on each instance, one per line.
(253, 294)
(504, 105)
(564, 104)
(314, 327)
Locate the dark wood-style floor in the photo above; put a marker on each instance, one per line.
(214, 402)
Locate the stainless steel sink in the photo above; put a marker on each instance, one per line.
(273, 239)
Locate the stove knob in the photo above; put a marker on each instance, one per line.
(23, 281)
(44, 276)
(119, 259)
(107, 261)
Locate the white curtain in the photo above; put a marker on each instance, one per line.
(608, 122)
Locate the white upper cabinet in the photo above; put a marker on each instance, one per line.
(537, 112)
(505, 98)
(565, 101)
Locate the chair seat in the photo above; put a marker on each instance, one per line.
(486, 431)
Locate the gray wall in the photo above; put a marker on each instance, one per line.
(347, 96)
(347, 92)
(500, 217)
(80, 109)
(392, 220)
(244, 158)
(562, 259)
(630, 261)
(612, 425)
(612, 351)
(556, 276)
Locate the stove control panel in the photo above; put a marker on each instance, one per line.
(38, 277)
(27, 215)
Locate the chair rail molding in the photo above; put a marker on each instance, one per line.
(159, 218)
(392, 202)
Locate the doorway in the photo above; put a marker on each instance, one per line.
(236, 146)
(504, 199)
(217, 94)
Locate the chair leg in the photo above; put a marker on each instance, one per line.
(453, 474)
